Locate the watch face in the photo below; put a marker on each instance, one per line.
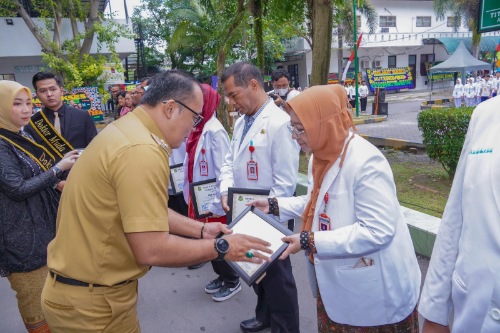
(222, 245)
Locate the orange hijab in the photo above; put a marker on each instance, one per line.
(323, 112)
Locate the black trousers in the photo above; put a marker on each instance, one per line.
(177, 203)
(363, 103)
(277, 301)
(227, 274)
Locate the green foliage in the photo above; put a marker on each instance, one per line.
(71, 58)
(443, 132)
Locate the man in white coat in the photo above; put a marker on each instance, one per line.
(262, 155)
(462, 287)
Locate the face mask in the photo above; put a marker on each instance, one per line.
(281, 91)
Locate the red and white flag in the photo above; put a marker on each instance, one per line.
(351, 58)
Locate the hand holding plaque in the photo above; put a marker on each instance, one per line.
(253, 222)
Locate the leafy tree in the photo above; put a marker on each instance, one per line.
(71, 58)
(465, 11)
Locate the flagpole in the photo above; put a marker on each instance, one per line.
(355, 56)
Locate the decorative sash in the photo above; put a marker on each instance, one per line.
(38, 153)
(52, 140)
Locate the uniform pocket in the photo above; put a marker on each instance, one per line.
(58, 306)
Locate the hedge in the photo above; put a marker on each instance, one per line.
(443, 132)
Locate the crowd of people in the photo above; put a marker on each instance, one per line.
(476, 90)
(84, 216)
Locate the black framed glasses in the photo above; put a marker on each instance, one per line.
(295, 131)
(199, 117)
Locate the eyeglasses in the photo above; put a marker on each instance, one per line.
(137, 93)
(295, 131)
(199, 117)
(284, 86)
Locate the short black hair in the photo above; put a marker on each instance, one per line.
(147, 79)
(243, 72)
(44, 76)
(172, 84)
(278, 74)
(121, 93)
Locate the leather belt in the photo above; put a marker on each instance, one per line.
(73, 282)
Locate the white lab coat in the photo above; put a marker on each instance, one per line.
(215, 141)
(458, 91)
(276, 154)
(177, 157)
(463, 279)
(366, 221)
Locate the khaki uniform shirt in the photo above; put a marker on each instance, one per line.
(118, 185)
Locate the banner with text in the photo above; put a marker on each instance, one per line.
(390, 78)
(85, 98)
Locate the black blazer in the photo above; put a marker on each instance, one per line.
(77, 126)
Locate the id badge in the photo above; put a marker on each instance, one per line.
(203, 168)
(324, 222)
(252, 170)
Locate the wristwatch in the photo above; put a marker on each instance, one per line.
(58, 172)
(222, 247)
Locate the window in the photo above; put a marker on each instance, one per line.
(451, 21)
(10, 77)
(423, 21)
(425, 61)
(293, 71)
(391, 61)
(387, 21)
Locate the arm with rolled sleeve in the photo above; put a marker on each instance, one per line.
(220, 148)
(285, 163)
(376, 209)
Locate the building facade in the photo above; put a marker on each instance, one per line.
(408, 34)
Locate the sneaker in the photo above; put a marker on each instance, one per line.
(213, 286)
(225, 293)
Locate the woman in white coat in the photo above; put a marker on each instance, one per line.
(458, 93)
(363, 268)
(206, 148)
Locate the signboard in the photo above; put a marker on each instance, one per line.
(489, 16)
(390, 78)
(85, 98)
(439, 77)
(333, 78)
(111, 75)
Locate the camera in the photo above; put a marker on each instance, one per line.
(272, 95)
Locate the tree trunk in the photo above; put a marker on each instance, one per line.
(258, 32)
(92, 18)
(340, 53)
(322, 12)
(222, 113)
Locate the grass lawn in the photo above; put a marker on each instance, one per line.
(422, 184)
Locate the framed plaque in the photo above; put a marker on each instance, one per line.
(176, 178)
(202, 195)
(255, 223)
(239, 197)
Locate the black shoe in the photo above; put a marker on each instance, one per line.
(253, 325)
(196, 266)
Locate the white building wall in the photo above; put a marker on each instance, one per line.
(403, 40)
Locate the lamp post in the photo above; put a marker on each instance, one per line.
(355, 56)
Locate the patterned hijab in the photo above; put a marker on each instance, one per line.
(8, 92)
(323, 112)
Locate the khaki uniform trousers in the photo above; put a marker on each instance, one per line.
(75, 309)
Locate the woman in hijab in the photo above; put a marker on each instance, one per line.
(206, 148)
(28, 203)
(363, 267)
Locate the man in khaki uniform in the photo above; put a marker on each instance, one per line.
(113, 221)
